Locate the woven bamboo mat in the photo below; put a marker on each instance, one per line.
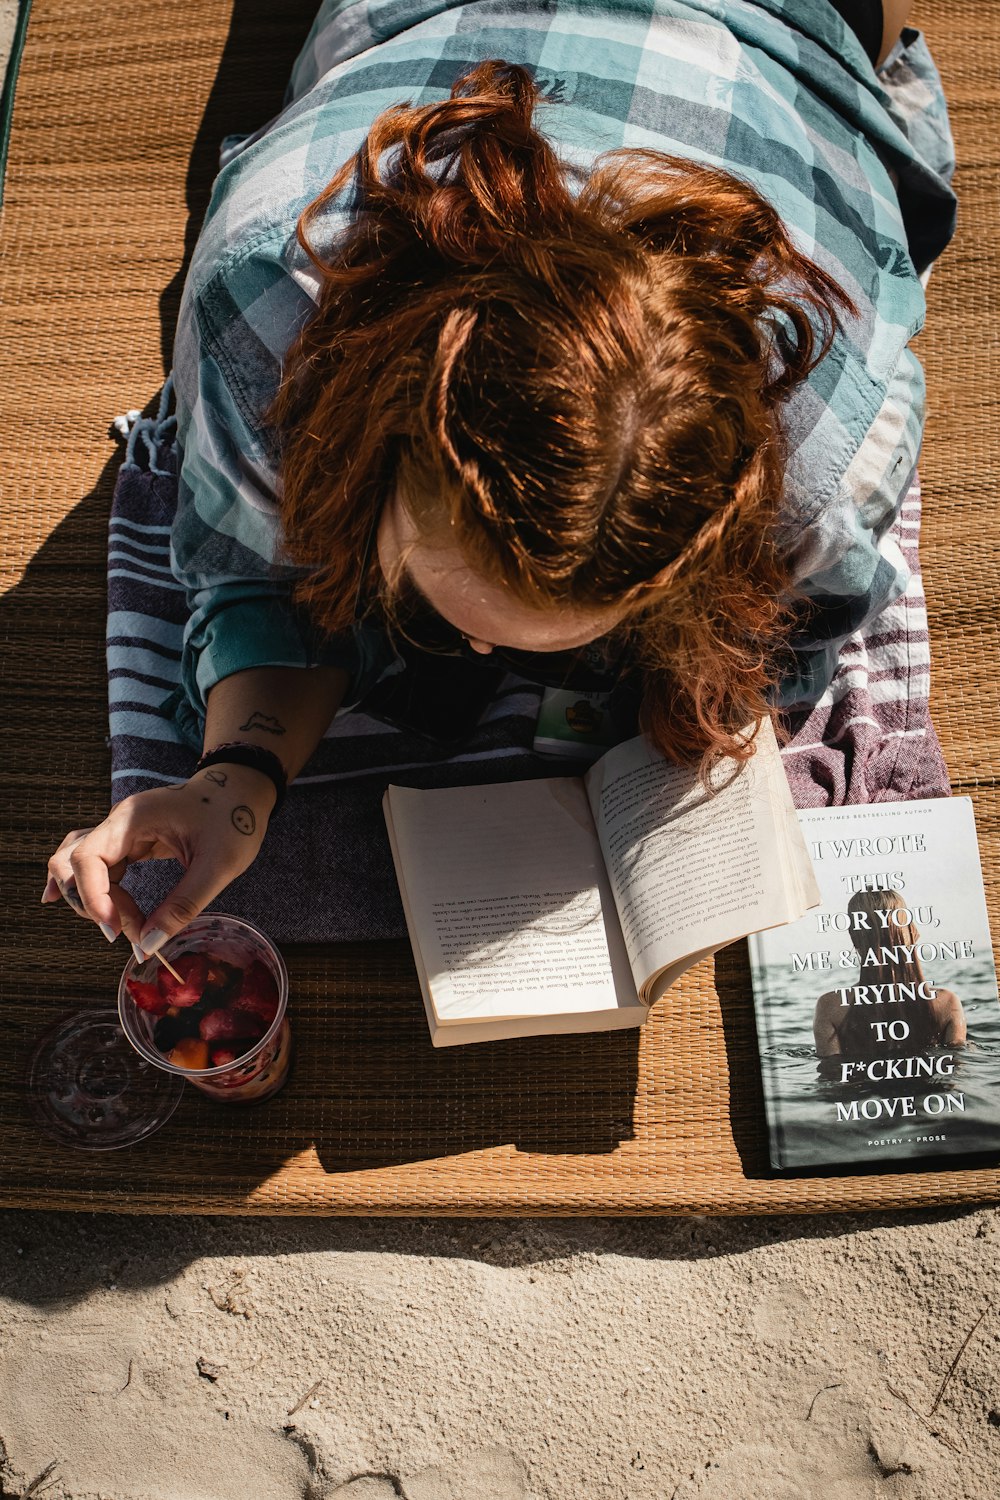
(112, 152)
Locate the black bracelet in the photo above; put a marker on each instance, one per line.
(241, 753)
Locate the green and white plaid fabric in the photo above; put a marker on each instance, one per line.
(778, 92)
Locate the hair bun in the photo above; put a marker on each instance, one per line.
(466, 172)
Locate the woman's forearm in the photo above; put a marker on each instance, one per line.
(284, 709)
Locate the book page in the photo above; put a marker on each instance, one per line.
(506, 897)
(692, 870)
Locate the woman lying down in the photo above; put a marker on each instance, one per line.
(571, 339)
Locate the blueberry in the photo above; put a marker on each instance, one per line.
(169, 1030)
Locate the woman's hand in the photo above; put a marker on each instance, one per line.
(213, 825)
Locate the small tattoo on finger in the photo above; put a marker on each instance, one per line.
(243, 819)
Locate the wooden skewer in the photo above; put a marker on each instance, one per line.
(72, 895)
(168, 966)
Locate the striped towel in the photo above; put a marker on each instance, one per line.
(324, 873)
(870, 737)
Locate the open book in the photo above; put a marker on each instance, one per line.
(571, 904)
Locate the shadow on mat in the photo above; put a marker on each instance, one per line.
(746, 1094)
(263, 42)
(368, 1090)
(375, 1093)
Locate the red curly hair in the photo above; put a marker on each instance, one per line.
(584, 389)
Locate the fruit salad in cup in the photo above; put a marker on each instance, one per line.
(222, 1023)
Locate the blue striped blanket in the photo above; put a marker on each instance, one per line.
(324, 873)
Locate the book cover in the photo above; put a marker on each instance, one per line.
(877, 1014)
(574, 725)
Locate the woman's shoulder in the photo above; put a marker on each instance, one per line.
(239, 313)
(250, 286)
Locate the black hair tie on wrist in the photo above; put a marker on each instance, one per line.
(241, 753)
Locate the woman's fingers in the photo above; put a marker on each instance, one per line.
(206, 876)
(94, 862)
(85, 866)
(130, 918)
(214, 838)
(74, 900)
(61, 882)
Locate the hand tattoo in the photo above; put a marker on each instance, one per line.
(243, 819)
(257, 720)
(219, 777)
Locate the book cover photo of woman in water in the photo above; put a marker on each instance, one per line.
(858, 1021)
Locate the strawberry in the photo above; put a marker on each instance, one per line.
(258, 994)
(220, 1057)
(190, 1052)
(146, 996)
(223, 1025)
(193, 969)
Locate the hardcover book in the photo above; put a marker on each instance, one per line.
(571, 904)
(877, 1012)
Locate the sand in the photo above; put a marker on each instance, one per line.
(8, 20)
(783, 1359)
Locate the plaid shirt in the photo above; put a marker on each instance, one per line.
(779, 92)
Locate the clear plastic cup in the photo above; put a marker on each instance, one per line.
(256, 1073)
